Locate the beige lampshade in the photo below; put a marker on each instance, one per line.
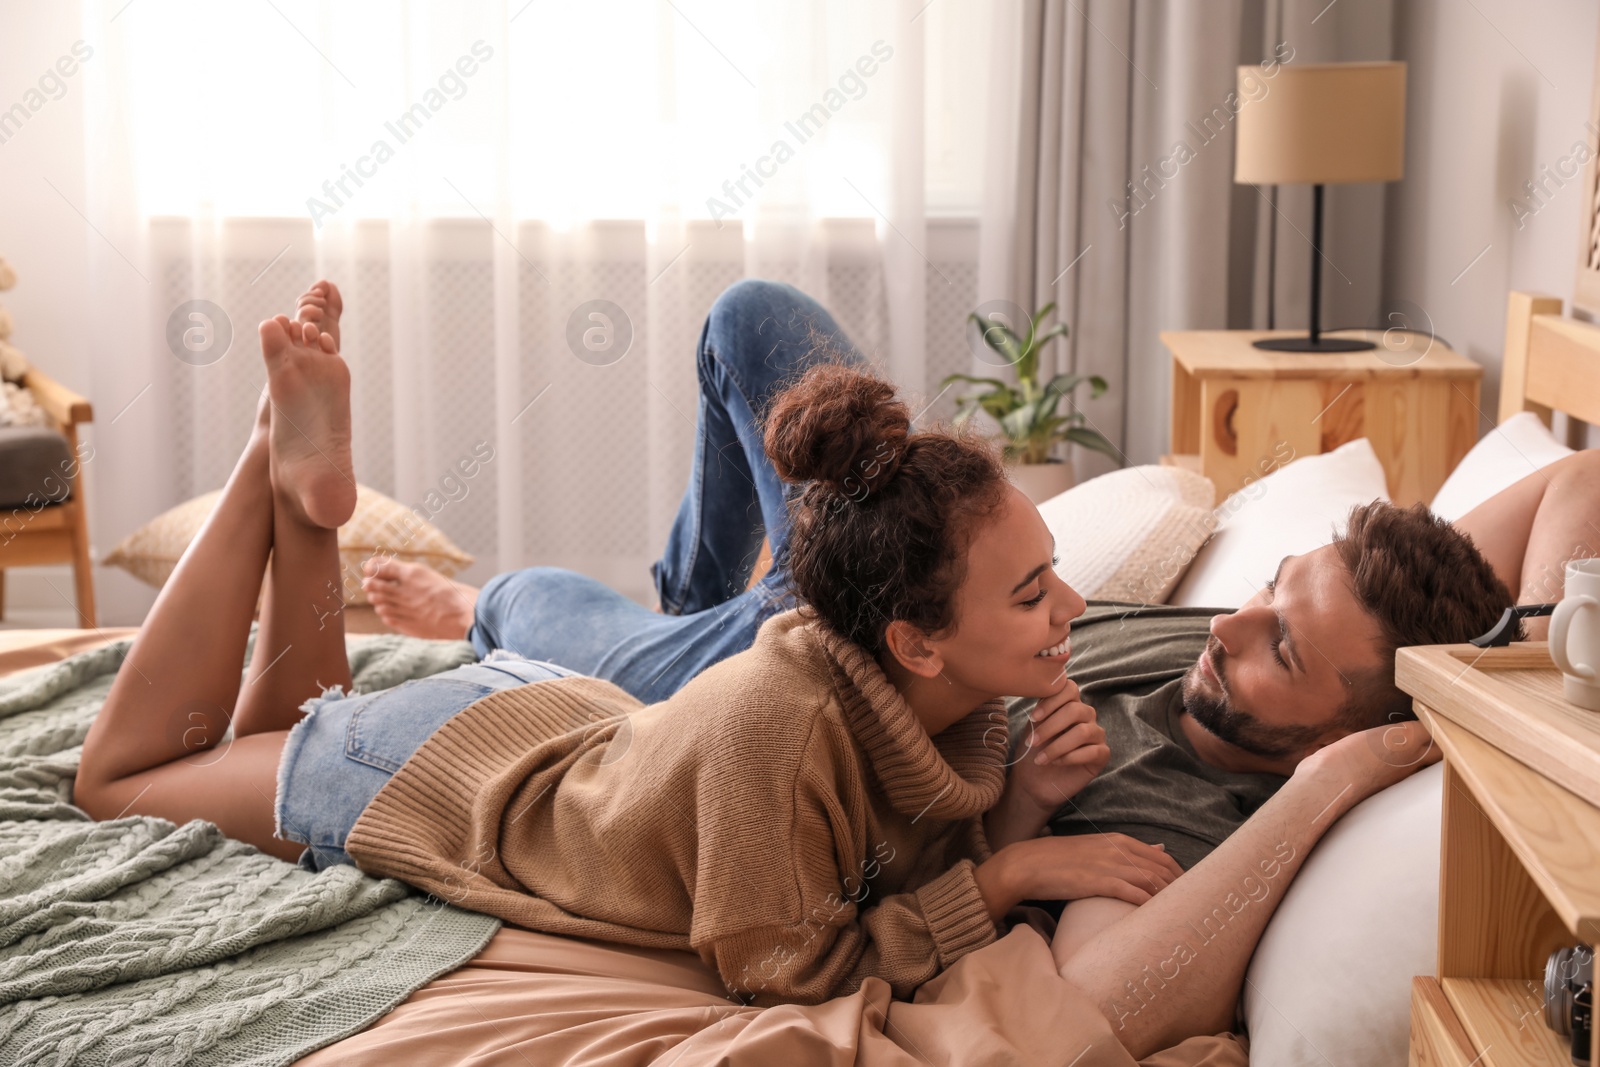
(1321, 122)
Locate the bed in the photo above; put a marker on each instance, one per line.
(132, 941)
(463, 988)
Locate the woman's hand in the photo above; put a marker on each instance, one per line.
(1096, 865)
(1070, 868)
(1063, 749)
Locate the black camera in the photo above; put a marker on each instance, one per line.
(1569, 998)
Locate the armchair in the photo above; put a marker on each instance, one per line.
(43, 514)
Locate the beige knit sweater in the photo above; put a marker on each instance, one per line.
(784, 815)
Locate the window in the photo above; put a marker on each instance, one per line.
(558, 111)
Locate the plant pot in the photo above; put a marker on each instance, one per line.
(1041, 481)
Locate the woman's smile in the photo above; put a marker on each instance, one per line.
(1059, 652)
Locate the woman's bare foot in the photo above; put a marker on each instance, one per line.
(321, 305)
(263, 426)
(310, 389)
(417, 600)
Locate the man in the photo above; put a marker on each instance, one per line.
(1205, 713)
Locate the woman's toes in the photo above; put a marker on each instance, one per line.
(322, 304)
(274, 336)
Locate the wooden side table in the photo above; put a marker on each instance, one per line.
(1520, 851)
(1244, 411)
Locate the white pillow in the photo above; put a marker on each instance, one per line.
(1330, 982)
(1292, 510)
(1130, 534)
(1507, 454)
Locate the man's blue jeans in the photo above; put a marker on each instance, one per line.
(759, 336)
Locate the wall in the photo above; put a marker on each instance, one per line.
(1497, 90)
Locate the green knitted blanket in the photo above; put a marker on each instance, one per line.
(139, 942)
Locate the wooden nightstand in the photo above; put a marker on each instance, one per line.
(1520, 852)
(1244, 411)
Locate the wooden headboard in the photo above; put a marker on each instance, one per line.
(1552, 363)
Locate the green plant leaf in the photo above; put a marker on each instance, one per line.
(1000, 403)
(998, 336)
(1039, 316)
(1028, 370)
(1028, 365)
(1046, 432)
(1046, 405)
(1022, 410)
(1018, 425)
(950, 379)
(1058, 330)
(1064, 384)
(1094, 440)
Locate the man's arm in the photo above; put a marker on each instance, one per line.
(1529, 531)
(1173, 967)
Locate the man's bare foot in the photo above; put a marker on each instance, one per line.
(321, 305)
(417, 600)
(309, 385)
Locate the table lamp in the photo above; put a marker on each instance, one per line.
(1320, 123)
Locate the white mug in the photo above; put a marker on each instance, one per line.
(1575, 634)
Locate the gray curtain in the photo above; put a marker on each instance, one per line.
(1110, 191)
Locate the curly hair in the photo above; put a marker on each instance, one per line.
(1425, 583)
(881, 527)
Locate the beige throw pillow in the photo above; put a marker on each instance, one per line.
(380, 526)
(1129, 535)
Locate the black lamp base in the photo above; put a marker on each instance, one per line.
(1313, 341)
(1308, 344)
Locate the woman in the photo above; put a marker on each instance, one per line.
(832, 804)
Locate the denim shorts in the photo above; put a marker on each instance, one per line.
(337, 758)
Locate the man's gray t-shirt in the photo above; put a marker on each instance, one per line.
(1129, 662)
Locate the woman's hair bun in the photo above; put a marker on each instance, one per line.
(838, 425)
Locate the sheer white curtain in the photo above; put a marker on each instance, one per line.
(483, 179)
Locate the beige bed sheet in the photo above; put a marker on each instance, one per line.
(531, 999)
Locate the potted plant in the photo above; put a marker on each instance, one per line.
(1028, 413)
